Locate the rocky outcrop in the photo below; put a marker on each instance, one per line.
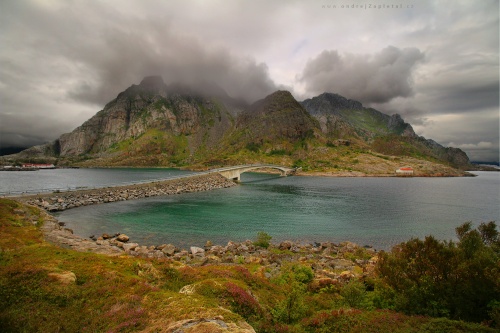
(329, 261)
(212, 325)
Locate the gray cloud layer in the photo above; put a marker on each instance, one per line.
(376, 78)
(435, 63)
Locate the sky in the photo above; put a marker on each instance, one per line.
(436, 63)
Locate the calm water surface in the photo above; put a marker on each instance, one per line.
(369, 211)
(64, 179)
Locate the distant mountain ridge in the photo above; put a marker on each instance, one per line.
(154, 124)
(341, 116)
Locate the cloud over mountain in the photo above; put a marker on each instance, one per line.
(157, 49)
(370, 78)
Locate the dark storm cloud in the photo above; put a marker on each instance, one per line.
(108, 52)
(155, 50)
(376, 78)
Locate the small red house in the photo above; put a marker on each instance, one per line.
(405, 171)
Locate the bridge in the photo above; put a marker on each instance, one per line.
(234, 172)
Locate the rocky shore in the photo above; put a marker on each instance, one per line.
(54, 202)
(331, 263)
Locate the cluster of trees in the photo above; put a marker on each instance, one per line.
(458, 280)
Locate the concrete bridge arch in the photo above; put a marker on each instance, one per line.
(234, 172)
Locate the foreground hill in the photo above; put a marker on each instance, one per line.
(152, 124)
(47, 288)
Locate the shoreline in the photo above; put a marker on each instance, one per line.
(330, 262)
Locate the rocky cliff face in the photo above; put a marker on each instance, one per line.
(153, 105)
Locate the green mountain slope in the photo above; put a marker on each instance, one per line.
(388, 135)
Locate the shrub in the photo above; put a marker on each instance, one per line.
(437, 278)
(294, 278)
(278, 152)
(354, 293)
(263, 239)
(253, 147)
(292, 308)
(303, 274)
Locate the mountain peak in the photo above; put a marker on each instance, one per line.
(154, 81)
(275, 117)
(280, 93)
(278, 100)
(339, 102)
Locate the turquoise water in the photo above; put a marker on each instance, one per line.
(369, 211)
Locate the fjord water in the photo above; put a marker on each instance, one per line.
(16, 182)
(380, 212)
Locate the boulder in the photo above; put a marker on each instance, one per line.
(130, 246)
(285, 245)
(168, 249)
(197, 251)
(118, 243)
(122, 238)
